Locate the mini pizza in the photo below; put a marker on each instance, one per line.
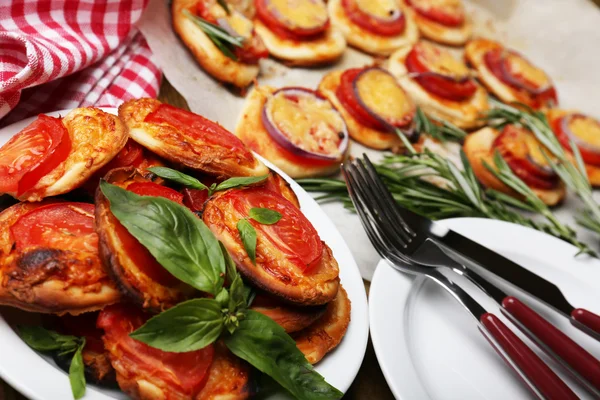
(522, 152)
(584, 131)
(510, 76)
(188, 139)
(136, 271)
(373, 105)
(439, 84)
(49, 261)
(298, 34)
(296, 129)
(238, 66)
(277, 184)
(443, 21)
(374, 26)
(291, 260)
(289, 317)
(146, 373)
(53, 156)
(328, 331)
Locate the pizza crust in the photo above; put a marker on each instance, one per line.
(449, 35)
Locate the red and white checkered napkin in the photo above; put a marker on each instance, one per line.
(58, 54)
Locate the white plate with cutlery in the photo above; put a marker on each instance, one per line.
(429, 347)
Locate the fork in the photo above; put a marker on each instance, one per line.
(394, 241)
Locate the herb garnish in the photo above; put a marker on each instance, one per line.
(223, 4)
(219, 36)
(41, 339)
(438, 129)
(247, 232)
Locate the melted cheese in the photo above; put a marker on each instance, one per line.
(441, 61)
(535, 149)
(378, 8)
(310, 123)
(519, 66)
(303, 14)
(453, 7)
(586, 128)
(381, 93)
(236, 20)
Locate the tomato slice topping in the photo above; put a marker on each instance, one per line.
(381, 92)
(61, 226)
(445, 12)
(184, 372)
(293, 234)
(439, 73)
(199, 128)
(375, 16)
(33, 153)
(307, 19)
(194, 199)
(523, 154)
(587, 129)
(156, 190)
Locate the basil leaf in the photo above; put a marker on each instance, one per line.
(230, 267)
(189, 326)
(179, 240)
(42, 339)
(179, 177)
(248, 235)
(223, 298)
(265, 345)
(77, 373)
(264, 215)
(239, 181)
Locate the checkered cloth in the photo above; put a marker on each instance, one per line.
(57, 54)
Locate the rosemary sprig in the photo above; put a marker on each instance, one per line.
(572, 173)
(219, 36)
(223, 4)
(438, 129)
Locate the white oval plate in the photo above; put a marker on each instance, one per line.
(39, 378)
(429, 347)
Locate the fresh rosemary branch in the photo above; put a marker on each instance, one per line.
(223, 4)
(438, 129)
(219, 36)
(572, 173)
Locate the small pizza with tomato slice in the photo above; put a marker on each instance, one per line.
(49, 259)
(584, 131)
(52, 156)
(442, 21)
(373, 105)
(298, 32)
(374, 26)
(276, 183)
(188, 139)
(290, 260)
(510, 76)
(523, 154)
(289, 317)
(238, 65)
(296, 129)
(131, 265)
(144, 372)
(328, 331)
(440, 84)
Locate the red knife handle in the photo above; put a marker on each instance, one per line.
(582, 364)
(587, 320)
(540, 379)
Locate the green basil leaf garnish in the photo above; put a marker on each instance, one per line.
(179, 240)
(264, 215)
(77, 373)
(248, 235)
(223, 298)
(189, 326)
(267, 347)
(239, 181)
(41, 339)
(179, 177)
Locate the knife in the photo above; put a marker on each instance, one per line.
(508, 270)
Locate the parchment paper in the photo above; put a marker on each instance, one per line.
(562, 36)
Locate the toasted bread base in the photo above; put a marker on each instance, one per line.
(323, 50)
(369, 137)
(282, 187)
(325, 334)
(37, 279)
(478, 149)
(210, 58)
(96, 138)
(452, 36)
(228, 377)
(172, 144)
(463, 114)
(290, 318)
(368, 41)
(252, 132)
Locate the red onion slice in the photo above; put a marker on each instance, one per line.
(449, 78)
(396, 14)
(505, 68)
(383, 121)
(564, 124)
(282, 139)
